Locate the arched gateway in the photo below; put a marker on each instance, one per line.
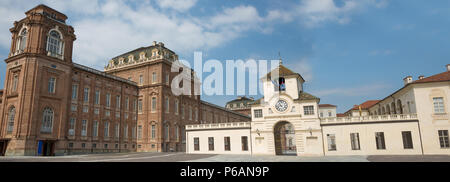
(284, 135)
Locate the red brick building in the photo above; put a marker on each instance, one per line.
(52, 106)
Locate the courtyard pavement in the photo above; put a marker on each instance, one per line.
(183, 157)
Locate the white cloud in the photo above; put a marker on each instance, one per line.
(303, 68)
(179, 5)
(363, 90)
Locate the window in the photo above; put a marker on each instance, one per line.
(190, 112)
(133, 132)
(196, 144)
(153, 131)
(321, 115)
(329, 114)
(227, 143)
(74, 92)
(177, 129)
(280, 85)
(176, 106)
(140, 105)
(97, 97)
(134, 105)
(108, 100)
(117, 130)
(54, 43)
(354, 138)
(11, 116)
(258, 113)
(118, 102)
(141, 79)
(83, 145)
(244, 140)
(166, 104)
(51, 85)
(167, 78)
(444, 139)
(308, 110)
(85, 109)
(167, 133)
(331, 142)
(73, 107)
(153, 103)
(106, 146)
(154, 77)
(15, 81)
(106, 129)
(96, 111)
(196, 114)
(94, 145)
(438, 103)
(22, 41)
(140, 132)
(95, 129)
(83, 127)
(47, 121)
(127, 103)
(379, 138)
(407, 140)
(211, 143)
(125, 131)
(107, 113)
(70, 145)
(72, 126)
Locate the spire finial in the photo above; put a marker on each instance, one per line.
(279, 55)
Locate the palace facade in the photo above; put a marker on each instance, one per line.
(53, 106)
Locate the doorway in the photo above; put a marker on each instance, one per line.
(284, 134)
(46, 148)
(3, 145)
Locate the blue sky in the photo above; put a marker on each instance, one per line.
(348, 51)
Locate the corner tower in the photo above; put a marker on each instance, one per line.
(38, 75)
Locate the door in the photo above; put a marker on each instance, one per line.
(46, 148)
(3, 145)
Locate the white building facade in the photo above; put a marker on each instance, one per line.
(414, 120)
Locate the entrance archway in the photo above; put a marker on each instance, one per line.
(284, 135)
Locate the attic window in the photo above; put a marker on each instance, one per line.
(280, 84)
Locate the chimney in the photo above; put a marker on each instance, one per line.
(154, 43)
(448, 67)
(407, 80)
(421, 77)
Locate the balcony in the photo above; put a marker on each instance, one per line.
(212, 126)
(367, 119)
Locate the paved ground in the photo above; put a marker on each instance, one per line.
(182, 157)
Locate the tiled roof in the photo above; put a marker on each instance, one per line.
(282, 71)
(445, 76)
(307, 96)
(326, 105)
(365, 105)
(340, 115)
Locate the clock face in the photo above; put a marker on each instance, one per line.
(281, 105)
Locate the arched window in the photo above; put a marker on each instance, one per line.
(54, 43)
(399, 105)
(388, 109)
(393, 108)
(11, 116)
(166, 133)
(47, 120)
(22, 40)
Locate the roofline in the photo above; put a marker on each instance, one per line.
(121, 55)
(101, 73)
(222, 108)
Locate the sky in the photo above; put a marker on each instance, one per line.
(348, 51)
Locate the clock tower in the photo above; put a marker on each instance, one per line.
(285, 121)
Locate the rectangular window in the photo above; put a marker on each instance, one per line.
(85, 109)
(177, 129)
(190, 112)
(73, 107)
(140, 105)
(86, 95)
(379, 138)
(211, 143)
(72, 127)
(167, 78)
(83, 127)
(331, 142)
(117, 114)
(106, 129)
(153, 103)
(95, 129)
(154, 77)
(117, 130)
(166, 104)
(196, 144)
(438, 103)
(51, 85)
(135, 105)
(118, 102)
(125, 131)
(15, 81)
(354, 138)
(107, 113)
(153, 131)
(308, 110)
(108, 100)
(227, 143)
(74, 92)
(127, 103)
(176, 107)
(141, 79)
(244, 141)
(444, 139)
(96, 111)
(258, 113)
(139, 132)
(133, 132)
(97, 97)
(407, 140)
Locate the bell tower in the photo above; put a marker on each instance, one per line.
(38, 78)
